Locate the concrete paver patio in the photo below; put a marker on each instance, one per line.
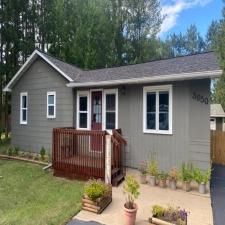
(198, 206)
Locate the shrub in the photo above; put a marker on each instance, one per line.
(16, 151)
(143, 167)
(10, 151)
(157, 211)
(174, 174)
(95, 189)
(42, 153)
(186, 173)
(162, 176)
(131, 189)
(201, 176)
(153, 167)
(36, 157)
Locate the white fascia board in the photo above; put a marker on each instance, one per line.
(23, 68)
(159, 78)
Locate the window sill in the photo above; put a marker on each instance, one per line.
(23, 123)
(157, 132)
(49, 117)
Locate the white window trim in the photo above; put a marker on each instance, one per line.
(21, 109)
(54, 94)
(80, 94)
(109, 91)
(157, 89)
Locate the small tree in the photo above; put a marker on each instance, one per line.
(42, 153)
(131, 189)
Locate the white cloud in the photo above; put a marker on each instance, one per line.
(173, 9)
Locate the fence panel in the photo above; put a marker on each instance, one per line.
(218, 147)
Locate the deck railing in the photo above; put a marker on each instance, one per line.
(118, 151)
(78, 153)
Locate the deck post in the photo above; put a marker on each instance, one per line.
(108, 155)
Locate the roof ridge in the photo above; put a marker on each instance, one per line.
(43, 52)
(155, 60)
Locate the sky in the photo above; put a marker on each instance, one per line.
(180, 14)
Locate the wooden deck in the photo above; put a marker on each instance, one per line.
(81, 154)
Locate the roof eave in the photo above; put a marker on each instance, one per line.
(219, 115)
(153, 79)
(26, 65)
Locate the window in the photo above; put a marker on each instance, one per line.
(51, 104)
(23, 108)
(82, 110)
(157, 109)
(111, 109)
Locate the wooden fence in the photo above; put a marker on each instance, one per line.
(78, 153)
(218, 147)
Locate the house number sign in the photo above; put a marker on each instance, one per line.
(200, 98)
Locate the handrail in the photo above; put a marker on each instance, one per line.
(117, 135)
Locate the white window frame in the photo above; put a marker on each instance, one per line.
(22, 94)
(83, 94)
(109, 91)
(157, 89)
(54, 94)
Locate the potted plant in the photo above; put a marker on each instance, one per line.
(131, 190)
(168, 216)
(202, 178)
(186, 176)
(153, 172)
(143, 171)
(162, 177)
(97, 196)
(173, 178)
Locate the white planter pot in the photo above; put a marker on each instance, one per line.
(173, 184)
(202, 188)
(152, 180)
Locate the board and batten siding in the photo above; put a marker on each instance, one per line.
(190, 139)
(39, 79)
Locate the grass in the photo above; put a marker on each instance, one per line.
(31, 196)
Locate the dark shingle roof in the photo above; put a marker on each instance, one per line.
(185, 64)
(72, 71)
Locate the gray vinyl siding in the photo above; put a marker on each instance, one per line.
(37, 81)
(190, 138)
(189, 141)
(199, 133)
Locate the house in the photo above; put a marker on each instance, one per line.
(217, 117)
(160, 106)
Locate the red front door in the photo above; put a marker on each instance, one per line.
(96, 112)
(96, 118)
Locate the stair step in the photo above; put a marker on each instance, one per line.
(115, 170)
(118, 179)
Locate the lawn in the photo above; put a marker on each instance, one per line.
(31, 196)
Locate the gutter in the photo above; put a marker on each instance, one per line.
(162, 78)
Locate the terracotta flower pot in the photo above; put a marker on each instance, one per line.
(173, 184)
(143, 178)
(162, 183)
(202, 188)
(186, 186)
(130, 215)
